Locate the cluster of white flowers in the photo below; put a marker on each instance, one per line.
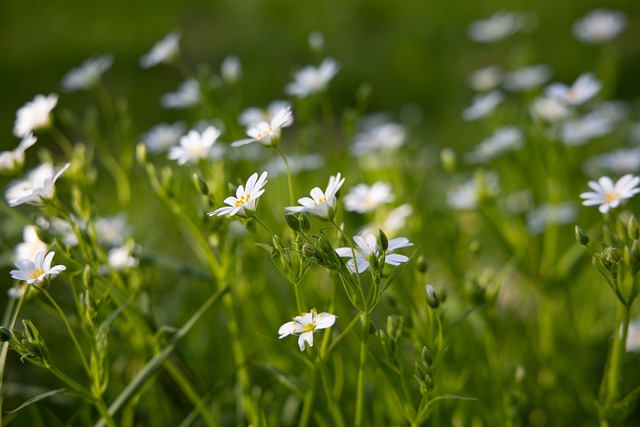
(367, 248)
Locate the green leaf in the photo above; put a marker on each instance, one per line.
(619, 411)
(38, 398)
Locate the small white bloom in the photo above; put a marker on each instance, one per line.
(88, 74)
(311, 80)
(363, 198)
(321, 204)
(583, 89)
(485, 79)
(498, 26)
(609, 195)
(267, 133)
(17, 291)
(507, 138)
(164, 51)
(34, 271)
(246, 198)
(305, 325)
(599, 26)
(580, 131)
(34, 115)
(194, 146)
(633, 336)
(528, 77)
(231, 69)
(187, 95)
(381, 137)
(162, 136)
(37, 188)
(61, 228)
(12, 160)
(251, 116)
(549, 109)
(30, 245)
(622, 161)
(120, 258)
(113, 230)
(391, 223)
(367, 247)
(482, 105)
(467, 195)
(550, 214)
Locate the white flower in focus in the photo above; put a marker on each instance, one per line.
(582, 90)
(363, 198)
(625, 160)
(549, 109)
(120, 258)
(187, 95)
(162, 136)
(113, 230)
(550, 214)
(268, 133)
(305, 324)
(507, 138)
(498, 26)
(599, 26)
(485, 79)
(254, 115)
(367, 247)
(246, 198)
(30, 245)
(580, 131)
(528, 77)
(321, 204)
(12, 160)
(35, 270)
(194, 146)
(633, 336)
(164, 51)
(34, 115)
(231, 69)
(88, 74)
(311, 80)
(37, 188)
(609, 195)
(482, 105)
(381, 137)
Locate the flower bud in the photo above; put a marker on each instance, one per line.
(87, 277)
(432, 297)
(425, 357)
(200, 184)
(293, 222)
(581, 236)
(394, 326)
(611, 254)
(383, 241)
(5, 334)
(421, 264)
(309, 251)
(632, 228)
(305, 222)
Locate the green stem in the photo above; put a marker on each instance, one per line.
(365, 319)
(298, 300)
(62, 141)
(289, 178)
(614, 366)
(309, 397)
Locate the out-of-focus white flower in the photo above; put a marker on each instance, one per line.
(311, 80)
(305, 325)
(13, 160)
(120, 258)
(187, 95)
(580, 131)
(34, 115)
(61, 228)
(245, 202)
(507, 138)
(194, 146)
(113, 230)
(549, 109)
(485, 79)
(231, 69)
(17, 291)
(363, 198)
(321, 203)
(163, 136)
(297, 163)
(614, 111)
(583, 89)
(367, 247)
(599, 26)
(316, 41)
(36, 270)
(482, 105)
(381, 137)
(528, 77)
(164, 51)
(633, 336)
(467, 195)
(609, 195)
(268, 133)
(30, 245)
(622, 161)
(393, 221)
(498, 26)
(37, 189)
(88, 74)
(550, 214)
(254, 115)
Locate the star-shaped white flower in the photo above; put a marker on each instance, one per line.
(363, 198)
(305, 324)
(246, 198)
(187, 95)
(34, 115)
(12, 160)
(384, 136)
(321, 203)
(582, 90)
(609, 195)
(37, 188)
(311, 80)
(254, 115)
(88, 74)
(195, 146)
(266, 133)
(367, 247)
(35, 271)
(164, 51)
(599, 26)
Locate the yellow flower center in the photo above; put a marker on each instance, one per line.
(39, 272)
(320, 200)
(611, 196)
(309, 327)
(242, 200)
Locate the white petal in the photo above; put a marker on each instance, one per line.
(287, 329)
(306, 336)
(325, 320)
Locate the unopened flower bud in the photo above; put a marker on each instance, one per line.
(394, 326)
(432, 297)
(305, 222)
(87, 277)
(293, 222)
(309, 251)
(426, 358)
(383, 241)
(5, 334)
(581, 236)
(632, 228)
(200, 184)
(611, 254)
(421, 264)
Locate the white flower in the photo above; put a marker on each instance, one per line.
(367, 247)
(305, 325)
(88, 74)
(549, 109)
(61, 228)
(496, 27)
(633, 336)
(246, 197)
(120, 258)
(527, 77)
(231, 69)
(160, 137)
(363, 198)
(583, 89)
(34, 271)
(12, 160)
(485, 79)
(580, 131)
(30, 245)
(548, 213)
(194, 146)
(482, 105)
(187, 95)
(467, 195)
(392, 222)
(267, 133)
(311, 80)
(383, 136)
(34, 115)
(609, 195)
(253, 115)
(113, 230)
(507, 138)
(599, 26)
(164, 51)
(625, 160)
(37, 188)
(321, 204)
(17, 291)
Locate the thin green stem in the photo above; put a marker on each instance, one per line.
(289, 177)
(255, 218)
(365, 319)
(309, 397)
(614, 366)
